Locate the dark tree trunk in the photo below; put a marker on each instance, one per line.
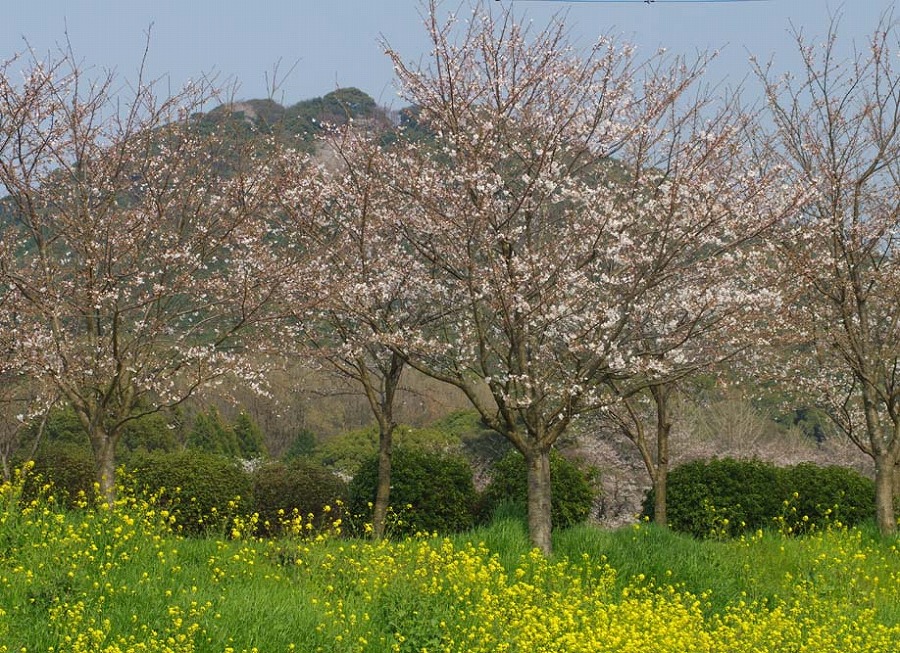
(661, 473)
(104, 448)
(383, 487)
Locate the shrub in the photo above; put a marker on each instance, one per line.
(150, 432)
(279, 489)
(302, 446)
(430, 491)
(572, 490)
(832, 493)
(721, 497)
(728, 497)
(68, 467)
(205, 492)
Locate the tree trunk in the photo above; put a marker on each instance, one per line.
(383, 487)
(104, 446)
(539, 502)
(896, 480)
(661, 474)
(885, 517)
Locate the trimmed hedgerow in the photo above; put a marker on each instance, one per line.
(301, 488)
(204, 492)
(430, 492)
(727, 497)
(721, 497)
(817, 495)
(68, 467)
(571, 489)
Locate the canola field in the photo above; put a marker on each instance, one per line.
(120, 579)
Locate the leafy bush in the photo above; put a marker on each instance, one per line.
(817, 495)
(721, 497)
(430, 491)
(68, 467)
(572, 490)
(279, 489)
(479, 442)
(728, 497)
(204, 492)
(151, 432)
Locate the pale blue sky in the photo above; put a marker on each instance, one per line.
(336, 42)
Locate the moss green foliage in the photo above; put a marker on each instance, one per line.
(204, 491)
(251, 443)
(306, 118)
(212, 434)
(347, 451)
(817, 495)
(430, 492)
(727, 497)
(151, 432)
(302, 488)
(572, 489)
(702, 494)
(303, 446)
(68, 467)
(478, 440)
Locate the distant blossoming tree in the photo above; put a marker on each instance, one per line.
(836, 125)
(356, 277)
(131, 267)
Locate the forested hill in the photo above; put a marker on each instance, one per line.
(301, 121)
(304, 119)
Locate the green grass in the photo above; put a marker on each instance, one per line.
(119, 580)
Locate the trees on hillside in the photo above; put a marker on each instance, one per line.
(836, 125)
(130, 267)
(578, 214)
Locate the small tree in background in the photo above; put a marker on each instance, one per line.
(836, 126)
(359, 275)
(250, 440)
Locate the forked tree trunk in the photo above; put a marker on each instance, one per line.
(539, 502)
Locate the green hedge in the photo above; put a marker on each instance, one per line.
(205, 492)
(303, 486)
(572, 489)
(823, 494)
(727, 497)
(68, 467)
(430, 492)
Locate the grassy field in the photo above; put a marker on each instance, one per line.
(115, 580)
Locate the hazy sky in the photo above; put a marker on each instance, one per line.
(336, 43)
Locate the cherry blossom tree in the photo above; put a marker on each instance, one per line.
(343, 213)
(579, 214)
(713, 296)
(836, 125)
(133, 271)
